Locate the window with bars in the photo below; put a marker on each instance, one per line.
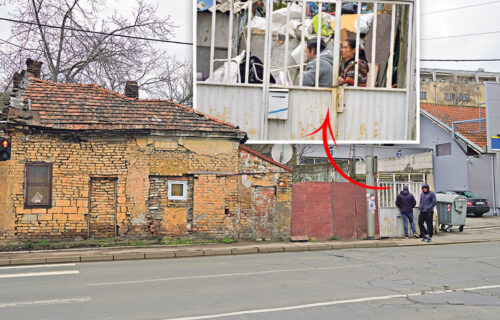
(38, 185)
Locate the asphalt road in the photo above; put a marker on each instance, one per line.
(423, 282)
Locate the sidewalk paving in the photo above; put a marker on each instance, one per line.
(483, 229)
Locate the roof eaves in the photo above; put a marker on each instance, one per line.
(449, 129)
(263, 157)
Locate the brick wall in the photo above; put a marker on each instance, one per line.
(128, 175)
(76, 160)
(258, 179)
(169, 217)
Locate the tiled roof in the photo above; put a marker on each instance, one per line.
(76, 107)
(263, 157)
(449, 114)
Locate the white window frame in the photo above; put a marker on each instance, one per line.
(184, 189)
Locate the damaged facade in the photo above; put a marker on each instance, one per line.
(88, 162)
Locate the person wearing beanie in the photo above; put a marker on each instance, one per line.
(405, 201)
(427, 203)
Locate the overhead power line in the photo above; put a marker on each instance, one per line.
(98, 32)
(460, 60)
(462, 35)
(458, 8)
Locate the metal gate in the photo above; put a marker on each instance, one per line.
(391, 224)
(286, 109)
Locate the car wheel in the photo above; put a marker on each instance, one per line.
(478, 214)
(461, 228)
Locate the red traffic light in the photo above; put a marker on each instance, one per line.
(5, 143)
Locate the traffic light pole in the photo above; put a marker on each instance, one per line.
(370, 195)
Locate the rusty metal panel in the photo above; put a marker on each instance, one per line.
(389, 222)
(368, 114)
(323, 209)
(306, 112)
(239, 105)
(372, 115)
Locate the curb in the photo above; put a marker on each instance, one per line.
(196, 252)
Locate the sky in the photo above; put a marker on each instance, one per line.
(476, 18)
(181, 12)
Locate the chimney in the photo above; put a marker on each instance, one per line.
(132, 90)
(33, 67)
(16, 80)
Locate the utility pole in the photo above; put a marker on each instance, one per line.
(370, 195)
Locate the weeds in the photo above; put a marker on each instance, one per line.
(227, 240)
(44, 244)
(178, 240)
(138, 243)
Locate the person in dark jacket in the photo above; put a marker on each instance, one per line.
(405, 201)
(427, 203)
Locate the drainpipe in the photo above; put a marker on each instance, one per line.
(495, 211)
(435, 93)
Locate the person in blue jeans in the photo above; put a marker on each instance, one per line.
(405, 201)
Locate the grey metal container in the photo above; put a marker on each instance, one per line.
(452, 211)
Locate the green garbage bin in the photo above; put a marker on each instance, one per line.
(452, 211)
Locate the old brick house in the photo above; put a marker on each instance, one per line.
(88, 162)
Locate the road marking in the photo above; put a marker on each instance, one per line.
(482, 288)
(45, 302)
(37, 274)
(222, 275)
(41, 266)
(331, 303)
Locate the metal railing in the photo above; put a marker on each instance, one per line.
(387, 197)
(397, 19)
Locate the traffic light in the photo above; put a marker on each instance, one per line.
(4, 149)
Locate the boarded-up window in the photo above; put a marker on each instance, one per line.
(38, 185)
(443, 149)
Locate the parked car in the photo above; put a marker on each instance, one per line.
(476, 204)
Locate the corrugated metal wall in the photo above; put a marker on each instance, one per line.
(372, 115)
(368, 114)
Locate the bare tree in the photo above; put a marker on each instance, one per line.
(462, 92)
(56, 35)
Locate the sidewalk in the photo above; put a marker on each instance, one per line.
(484, 229)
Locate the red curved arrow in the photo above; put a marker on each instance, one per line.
(326, 126)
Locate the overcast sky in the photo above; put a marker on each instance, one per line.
(180, 11)
(475, 19)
